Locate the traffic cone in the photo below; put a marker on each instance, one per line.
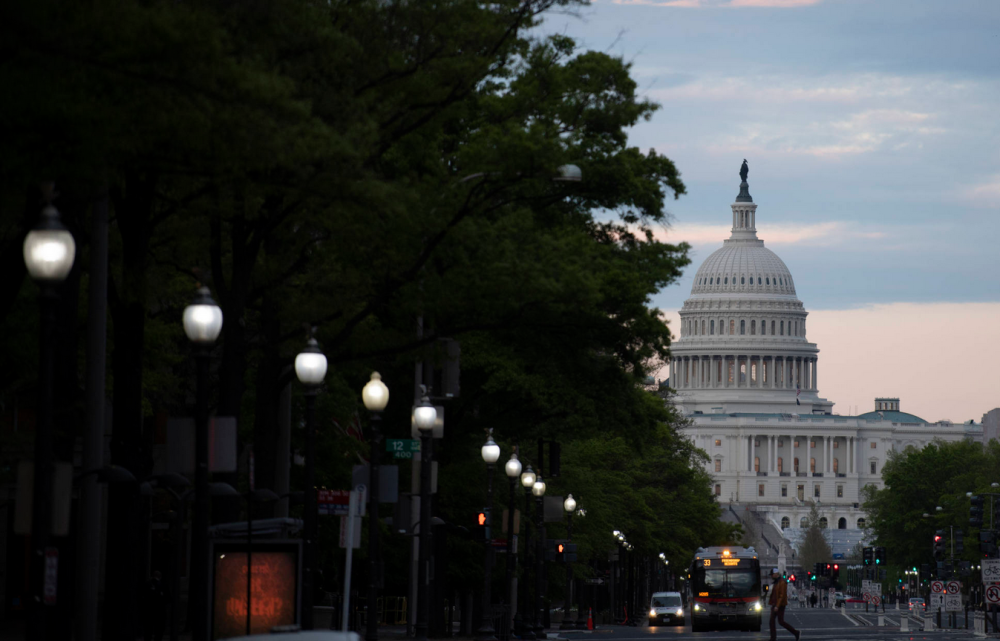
(590, 618)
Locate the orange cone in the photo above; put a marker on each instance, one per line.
(590, 618)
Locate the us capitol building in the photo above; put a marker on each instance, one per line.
(746, 377)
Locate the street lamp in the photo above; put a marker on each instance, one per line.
(310, 368)
(538, 491)
(569, 506)
(491, 454)
(202, 324)
(526, 628)
(513, 470)
(49, 251)
(375, 396)
(425, 416)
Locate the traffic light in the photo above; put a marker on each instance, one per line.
(976, 512)
(791, 579)
(560, 551)
(988, 544)
(480, 531)
(811, 575)
(939, 544)
(959, 541)
(835, 576)
(866, 555)
(879, 554)
(827, 569)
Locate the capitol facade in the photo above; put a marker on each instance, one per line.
(746, 378)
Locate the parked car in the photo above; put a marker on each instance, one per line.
(666, 607)
(917, 606)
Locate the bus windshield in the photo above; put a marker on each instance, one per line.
(726, 583)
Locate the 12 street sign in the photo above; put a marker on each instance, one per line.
(937, 587)
(954, 587)
(402, 447)
(953, 603)
(993, 594)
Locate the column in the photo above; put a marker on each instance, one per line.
(753, 451)
(815, 374)
(760, 371)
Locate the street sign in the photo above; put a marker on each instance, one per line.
(991, 570)
(876, 600)
(600, 581)
(332, 502)
(993, 594)
(402, 447)
(953, 603)
(937, 587)
(954, 587)
(937, 600)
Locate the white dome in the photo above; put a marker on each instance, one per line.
(745, 268)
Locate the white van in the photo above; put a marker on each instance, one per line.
(666, 607)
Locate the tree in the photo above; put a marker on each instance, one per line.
(814, 547)
(917, 482)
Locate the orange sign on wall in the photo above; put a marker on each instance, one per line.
(273, 584)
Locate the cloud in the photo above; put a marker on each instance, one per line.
(826, 233)
(984, 194)
(882, 350)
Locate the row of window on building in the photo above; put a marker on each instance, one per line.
(823, 523)
(800, 490)
(766, 281)
(873, 465)
(781, 443)
(707, 327)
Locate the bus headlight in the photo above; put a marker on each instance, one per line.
(680, 612)
(697, 608)
(756, 607)
(652, 613)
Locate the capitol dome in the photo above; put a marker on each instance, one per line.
(743, 267)
(742, 344)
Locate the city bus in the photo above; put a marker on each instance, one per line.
(724, 586)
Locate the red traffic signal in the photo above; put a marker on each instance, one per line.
(835, 566)
(481, 518)
(937, 538)
(792, 578)
(560, 548)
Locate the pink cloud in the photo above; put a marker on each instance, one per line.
(827, 233)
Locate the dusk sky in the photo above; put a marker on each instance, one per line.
(872, 133)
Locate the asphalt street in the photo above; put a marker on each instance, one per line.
(827, 624)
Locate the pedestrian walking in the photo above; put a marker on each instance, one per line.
(802, 599)
(812, 599)
(778, 601)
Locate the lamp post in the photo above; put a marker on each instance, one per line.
(538, 491)
(425, 416)
(202, 324)
(491, 453)
(375, 396)
(49, 251)
(569, 506)
(310, 368)
(521, 622)
(513, 470)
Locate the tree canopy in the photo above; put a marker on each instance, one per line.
(355, 167)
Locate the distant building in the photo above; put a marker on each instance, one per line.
(746, 377)
(991, 425)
